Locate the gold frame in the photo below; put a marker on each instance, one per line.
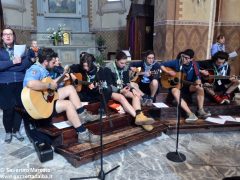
(66, 38)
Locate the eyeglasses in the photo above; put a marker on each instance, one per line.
(186, 57)
(9, 34)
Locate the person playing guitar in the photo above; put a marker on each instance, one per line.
(185, 64)
(148, 81)
(223, 84)
(75, 112)
(94, 75)
(117, 76)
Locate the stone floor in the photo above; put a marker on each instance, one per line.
(209, 156)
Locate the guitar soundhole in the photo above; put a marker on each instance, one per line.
(48, 97)
(173, 81)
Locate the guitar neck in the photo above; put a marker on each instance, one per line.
(84, 82)
(221, 77)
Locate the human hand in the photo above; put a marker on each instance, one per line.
(17, 60)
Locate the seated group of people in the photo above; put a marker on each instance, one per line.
(117, 85)
(114, 81)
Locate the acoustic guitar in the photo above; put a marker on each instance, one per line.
(211, 78)
(134, 75)
(40, 103)
(77, 84)
(169, 81)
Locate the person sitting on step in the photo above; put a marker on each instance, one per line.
(224, 85)
(150, 75)
(94, 78)
(68, 100)
(185, 64)
(117, 75)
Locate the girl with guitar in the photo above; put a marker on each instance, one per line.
(93, 76)
(185, 64)
(148, 80)
(223, 83)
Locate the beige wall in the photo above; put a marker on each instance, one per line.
(197, 10)
(230, 10)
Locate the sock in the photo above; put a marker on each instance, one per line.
(80, 110)
(138, 111)
(80, 129)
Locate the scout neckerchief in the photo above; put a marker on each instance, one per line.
(10, 52)
(92, 77)
(119, 76)
(147, 68)
(222, 70)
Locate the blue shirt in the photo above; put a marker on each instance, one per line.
(187, 69)
(35, 72)
(217, 47)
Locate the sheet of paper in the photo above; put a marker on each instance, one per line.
(160, 105)
(216, 120)
(84, 103)
(62, 125)
(19, 50)
(233, 54)
(228, 118)
(237, 119)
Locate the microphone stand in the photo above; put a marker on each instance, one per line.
(101, 175)
(177, 156)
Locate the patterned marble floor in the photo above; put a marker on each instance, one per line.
(209, 156)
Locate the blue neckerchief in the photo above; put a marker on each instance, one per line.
(146, 79)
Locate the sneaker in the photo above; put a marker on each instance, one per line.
(203, 114)
(218, 99)
(141, 119)
(87, 136)
(144, 101)
(149, 102)
(148, 127)
(226, 98)
(191, 118)
(87, 116)
(18, 136)
(8, 137)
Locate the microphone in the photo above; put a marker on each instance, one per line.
(181, 62)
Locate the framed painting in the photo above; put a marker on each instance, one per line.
(62, 8)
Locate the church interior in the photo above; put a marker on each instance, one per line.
(103, 28)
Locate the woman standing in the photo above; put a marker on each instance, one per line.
(12, 71)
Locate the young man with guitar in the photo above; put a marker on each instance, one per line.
(148, 76)
(117, 76)
(185, 64)
(217, 72)
(41, 94)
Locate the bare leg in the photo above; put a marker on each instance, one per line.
(70, 92)
(209, 90)
(200, 95)
(123, 101)
(232, 87)
(135, 100)
(135, 86)
(176, 95)
(69, 108)
(153, 87)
